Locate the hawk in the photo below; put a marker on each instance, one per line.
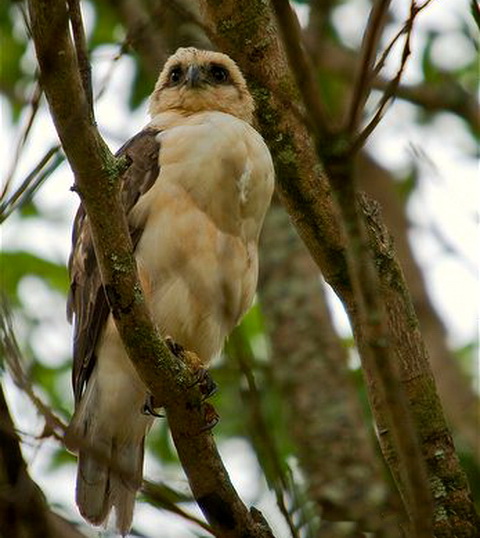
(195, 194)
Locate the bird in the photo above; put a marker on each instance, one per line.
(195, 193)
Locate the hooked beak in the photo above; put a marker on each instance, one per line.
(193, 78)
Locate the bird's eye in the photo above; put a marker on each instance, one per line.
(219, 73)
(175, 75)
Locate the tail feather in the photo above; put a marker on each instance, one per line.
(110, 460)
(110, 480)
(124, 485)
(93, 488)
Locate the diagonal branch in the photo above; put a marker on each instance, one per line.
(23, 509)
(301, 65)
(246, 30)
(97, 181)
(42, 171)
(362, 85)
(446, 95)
(391, 89)
(81, 50)
(373, 337)
(34, 104)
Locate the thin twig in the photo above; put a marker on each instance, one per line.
(405, 28)
(363, 82)
(391, 89)
(447, 95)
(111, 68)
(13, 356)
(279, 485)
(301, 66)
(32, 182)
(81, 50)
(34, 106)
(154, 495)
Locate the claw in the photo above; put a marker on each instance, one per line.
(149, 408)
(205, 383)
(177, 349)
(211, 417)
(202, 377)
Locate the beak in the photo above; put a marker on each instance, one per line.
(193, 78)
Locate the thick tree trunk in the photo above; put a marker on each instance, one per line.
(248, 32)
(310, 365)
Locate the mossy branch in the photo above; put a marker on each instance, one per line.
(247, 31)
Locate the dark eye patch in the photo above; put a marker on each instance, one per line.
(175, 75)
(219, 74)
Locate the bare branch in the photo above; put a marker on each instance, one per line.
(301, 66)
(81, 50)
(391, 89)
(461, 403)
(13, 357)
(32, 182)
(245, 30)
(34, 104)
(407, 27)
(362, 85)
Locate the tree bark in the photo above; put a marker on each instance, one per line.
(462, 405)
(24, 512)
(309, 362)
(247, 31)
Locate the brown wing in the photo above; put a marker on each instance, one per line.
(87, 304)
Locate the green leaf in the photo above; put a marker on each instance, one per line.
(106, 26)
(17, 264)
(12, 49)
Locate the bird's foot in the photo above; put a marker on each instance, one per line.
(175, 348)
(149, 408)
(205, 382)
(202, 377)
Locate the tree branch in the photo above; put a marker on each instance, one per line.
(362, 84)
(246, 30)
(368, 311)
(23, 509)
(308, 354)
(97, 181)
(24, 193)
(358, 140)
(301, 66)
(447, 95)
(462, 405)
(81, 50)
(34, 105)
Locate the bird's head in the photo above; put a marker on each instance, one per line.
(194, 80)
